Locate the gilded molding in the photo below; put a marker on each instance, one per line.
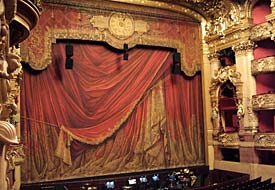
(263, 102)
(263, 65)
(261, 31)
(264, 141)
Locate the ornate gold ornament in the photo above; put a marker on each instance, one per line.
(264, 141)
(228, 139)
(110, 29)
(243, 47)
(263, 65)
(121, 25)
(263, 102)
(252, 117)
(261, 31)
(15, 155)
(223, 75)
(226, 74)
(214, 55)
(224, 19)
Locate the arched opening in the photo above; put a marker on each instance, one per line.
(228, 107)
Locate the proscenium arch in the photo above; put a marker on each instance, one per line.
(97, 34)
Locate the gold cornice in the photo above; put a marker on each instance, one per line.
(135, 7)
(164, 5)
(263, 65)
(231, 38)
(263, 102)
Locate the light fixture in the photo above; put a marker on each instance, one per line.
(176, 66)
(125, 51)
(69, 54)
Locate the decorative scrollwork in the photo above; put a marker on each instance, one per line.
(228, 138)
(263, 65)
(223, 19)
(226, 74)
(261, 31)
(264, 140)
(240, 109)
(252, 118)
(15, 156)
(263, 101)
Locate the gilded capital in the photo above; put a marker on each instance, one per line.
(243, 47)
(212, 56)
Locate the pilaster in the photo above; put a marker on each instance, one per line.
(244, 56)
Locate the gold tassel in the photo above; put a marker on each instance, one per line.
(63, 150)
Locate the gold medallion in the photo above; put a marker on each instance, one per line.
(121, 25)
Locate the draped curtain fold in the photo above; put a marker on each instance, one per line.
(131, 115)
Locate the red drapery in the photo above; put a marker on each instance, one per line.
(136, 102)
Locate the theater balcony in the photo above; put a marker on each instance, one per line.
(265, 141)
(25, 17)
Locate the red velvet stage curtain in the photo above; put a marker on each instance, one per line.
(131, 112)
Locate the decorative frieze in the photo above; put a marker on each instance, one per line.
(264, 141)
(263, 65)
(263, 102)
(261, 31)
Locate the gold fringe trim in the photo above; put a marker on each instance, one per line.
(63, 150)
